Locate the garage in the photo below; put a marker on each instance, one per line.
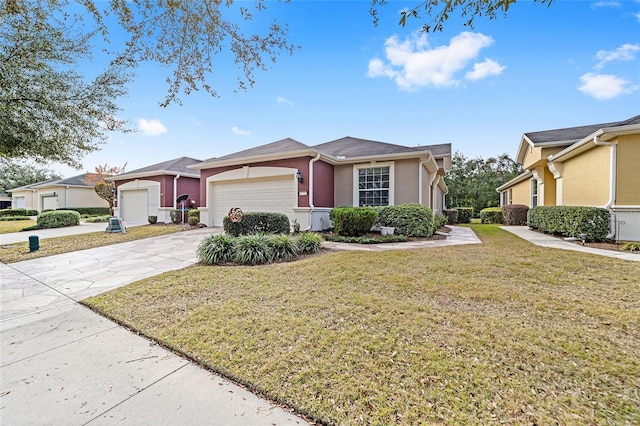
(133, 205)
(49, 202)
(19, 203)
(253, 195)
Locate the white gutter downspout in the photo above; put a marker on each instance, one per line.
(612, 183)
(175, 191)
(311, 206)
(66, 196)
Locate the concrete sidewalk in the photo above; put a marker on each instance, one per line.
(544, 240)
(62, 364)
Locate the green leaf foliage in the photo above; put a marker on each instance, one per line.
(491, 215)
(258, 222)
(413, 220)
(309, 242)
(571, 221)
(353, 221)
(216, 249)
(254, 249)
(439, 220)
(58, 219)
(284, 247)
(464, 214)
(515, 214)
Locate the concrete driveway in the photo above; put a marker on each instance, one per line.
(62, 364)
(83, 228)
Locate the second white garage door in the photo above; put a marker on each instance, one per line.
(133, 205)
(272, 195)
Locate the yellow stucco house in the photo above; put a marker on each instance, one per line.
(596, 165)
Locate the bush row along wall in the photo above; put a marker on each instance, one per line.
(593, 222)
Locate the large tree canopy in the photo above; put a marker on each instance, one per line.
(439, 11)
(14, 175)
(51, 112)
(473, 182)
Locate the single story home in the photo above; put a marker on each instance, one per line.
(54, 194)
(5, 200)
(153, 190)
(595, 165)
(306, 182)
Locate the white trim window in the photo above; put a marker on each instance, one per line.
(534, 192)
(373, 184)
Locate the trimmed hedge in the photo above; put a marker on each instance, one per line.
(571, 221)
(258, 222)
(491, 215)
(439, 220)
(413, 220)
(515, 214)
(464, 214)
(17, 212)
(11, 218)
(353, 221)
(91, 211)
(451, 215)
(58, 219)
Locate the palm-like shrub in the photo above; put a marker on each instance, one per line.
(216, 249)
(309, 242)
(253, 249)
(284, 247)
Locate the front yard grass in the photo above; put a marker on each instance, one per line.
(499, 332)
(8, 226)
(17, 252)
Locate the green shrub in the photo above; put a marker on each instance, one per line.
(353, 221)
(491, 215)
(413, 220)
(32, 213)
(13, 212)
(58, 219)
(515, 214)
(258, 222)
(95, 219)
(91, 211)
(452, 216)
(193, 220)
(253, 249)
(194, 213)
(31, 228)
(439, 220)
(633, 246)
(152, 219)
(178, 216)
(375, 239)
(284, 247)
(464, 214)
(12, 218)
(571, 221)
(309, 242)
(216, 249)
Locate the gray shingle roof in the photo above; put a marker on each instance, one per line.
(178, 165)
(355, 147)
(71, 181)
(571, 135)
(284, 145)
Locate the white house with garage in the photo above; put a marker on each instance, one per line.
(55, 194)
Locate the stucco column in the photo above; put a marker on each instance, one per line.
(557, 169)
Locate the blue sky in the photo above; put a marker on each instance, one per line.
(480, 89)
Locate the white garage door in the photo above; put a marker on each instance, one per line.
(273, 195)
(49, 203)
(19, 203)
(133, 205)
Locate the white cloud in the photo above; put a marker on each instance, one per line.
(285, 101)
(626, 52)
(411, 64)
(604, 86)
(605, 4)
(484, 69)
(239, 131)
(637, 15)
(151, 127)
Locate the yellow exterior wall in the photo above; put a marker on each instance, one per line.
(585, 178)
(549, 189)
(628, 171)
(521, 193)
(538, 156)
(81, 197)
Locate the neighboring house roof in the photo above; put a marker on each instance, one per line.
(344, 150)
(567, 136)
(177, 166)
(78, 181)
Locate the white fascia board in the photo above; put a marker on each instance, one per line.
(378, 158)
(151, 173)
(523, 176)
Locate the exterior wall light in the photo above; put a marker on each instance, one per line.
(299, 176)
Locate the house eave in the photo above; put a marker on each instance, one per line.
(521, 177)
(214, 164)
(587, 142)
(151, 173)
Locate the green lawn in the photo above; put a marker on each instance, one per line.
(52, 246)
(499, 332)
(8, 226)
